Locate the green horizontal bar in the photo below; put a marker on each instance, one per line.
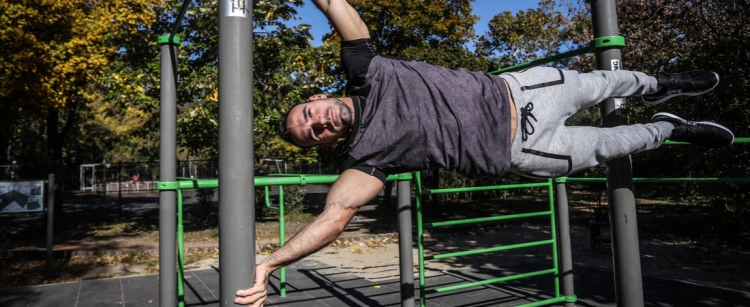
(488, 250)
(742, 140)
(400, 177)
(489, 219)
(486, 188)
(543, 61)
(603, 42)
(664, 179)
(167, 185)
(275, 180)
(494, 280)
(547, 302)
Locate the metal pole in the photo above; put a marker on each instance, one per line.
(622, 213)
(563, 234)
(119, 187)
(168, 173)
(406, 261)
(49, 267)
(236, 190)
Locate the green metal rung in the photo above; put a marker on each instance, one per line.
(180, 253)
(742, 140)
(486, 188)
(167, 185)
(557, 57)
(400, 177)
(275, 180)
(604, 42)
(713, 179)
(267, 198)
(547, 302)
(490, 219)
(488, 250)
(492, 281)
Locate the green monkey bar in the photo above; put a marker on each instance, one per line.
(741, 140)
(601, 43)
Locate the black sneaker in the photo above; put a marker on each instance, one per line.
(691, 83)
(706, 134)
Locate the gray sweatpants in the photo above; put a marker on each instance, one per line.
(548, 148)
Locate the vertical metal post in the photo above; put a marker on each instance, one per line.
(622, 213)
(282, 241)
(49, 267)
(236, 183)
(563, 235)
(119, 187)
(168, 173)
(406, 259)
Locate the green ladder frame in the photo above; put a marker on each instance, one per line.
(552, 241)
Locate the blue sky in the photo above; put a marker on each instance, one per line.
(485, 9)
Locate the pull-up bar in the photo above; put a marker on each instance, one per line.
(600, 43)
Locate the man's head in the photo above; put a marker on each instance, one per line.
(320, 121)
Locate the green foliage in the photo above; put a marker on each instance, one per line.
(525, 36)
(205, 199)
(293, 203)
(53, 54)
(401, 27)
(674, 36)
(430, 31)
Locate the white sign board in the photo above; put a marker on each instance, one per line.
(237, 8)
(21, 196)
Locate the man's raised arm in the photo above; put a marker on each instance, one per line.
(352, 190)
(343, 18)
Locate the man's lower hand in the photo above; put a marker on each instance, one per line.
(257, 294)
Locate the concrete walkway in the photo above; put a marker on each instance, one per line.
(311, 283)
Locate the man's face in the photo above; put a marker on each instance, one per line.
(321, 121)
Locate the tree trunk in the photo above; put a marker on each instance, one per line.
(54, 160)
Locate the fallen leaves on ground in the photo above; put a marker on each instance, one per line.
(362, 247)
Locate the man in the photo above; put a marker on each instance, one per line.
(407, 115)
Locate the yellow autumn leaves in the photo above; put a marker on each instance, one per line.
(53, 50)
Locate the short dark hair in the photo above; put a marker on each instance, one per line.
(283, 131)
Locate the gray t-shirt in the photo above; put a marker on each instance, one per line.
(416, 116)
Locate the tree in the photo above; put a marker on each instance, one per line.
(674, 36)
(432, 31)
(53, 54)
(286, 69)
(526, 36)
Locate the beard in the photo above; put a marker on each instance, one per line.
(344, 112)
